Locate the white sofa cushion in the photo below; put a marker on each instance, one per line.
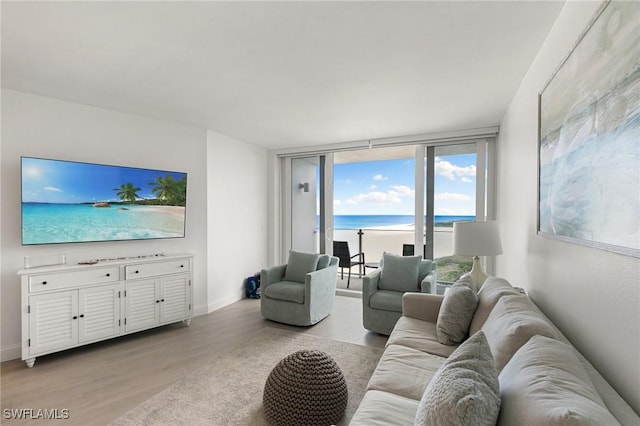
(464, 391)
(511, 323)
(545, 384)
(404, 371)
(458, 306)
(420, 335)
(490, 292)
(379, 408)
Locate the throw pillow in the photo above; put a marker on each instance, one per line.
(465, 390)
(299, 265)
(323, 261)
(399, 273)
(511, 323)
(546, 384)
(456, 311)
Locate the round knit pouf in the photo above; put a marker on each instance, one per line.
(305, 388)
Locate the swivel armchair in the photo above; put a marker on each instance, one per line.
(383, 288)
(302, 292)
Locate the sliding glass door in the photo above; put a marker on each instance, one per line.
(400, 199)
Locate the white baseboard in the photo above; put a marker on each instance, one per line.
(223, 302)
(11, 352)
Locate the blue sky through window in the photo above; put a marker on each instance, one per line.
(388, 187)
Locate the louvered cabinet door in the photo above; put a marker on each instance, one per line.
(142, 305)
(175, 299)
(99, 312)
(53, 321)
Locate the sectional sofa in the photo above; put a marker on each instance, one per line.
(538, 376)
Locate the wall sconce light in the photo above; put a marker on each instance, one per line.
(304, 186)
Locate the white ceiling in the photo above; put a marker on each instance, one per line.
(281, 74)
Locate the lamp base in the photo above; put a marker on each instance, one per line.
(476, 275)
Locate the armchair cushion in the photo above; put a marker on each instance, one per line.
(286, 290)
(299, 265)
(399, 273)
(458, 306)
(386, 300)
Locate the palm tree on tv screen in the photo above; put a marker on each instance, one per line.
(173, 192)
(127, 192)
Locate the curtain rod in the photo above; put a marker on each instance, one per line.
(428, 138)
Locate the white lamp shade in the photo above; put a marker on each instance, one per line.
(476, 239)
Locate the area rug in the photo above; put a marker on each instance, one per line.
(228, 390)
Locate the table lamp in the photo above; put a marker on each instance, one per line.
(476, 239)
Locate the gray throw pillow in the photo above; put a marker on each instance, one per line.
(299, 265)
(399, 273)
(323, 261)
(465, 390)
(458, 306)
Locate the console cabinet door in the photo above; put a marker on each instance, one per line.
(99, 312)
(53, 321)
(175, 299)
(142, 305)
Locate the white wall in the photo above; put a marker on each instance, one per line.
(592, 295)
(237, 220)
(44, 127)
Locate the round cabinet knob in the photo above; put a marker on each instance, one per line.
(182, 266)
(75, 317)
(157, 301)
(137, 272)
(162, 300)
(44, 283)
(82, 316)
(108, 274)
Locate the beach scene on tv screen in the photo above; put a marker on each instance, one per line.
(66, 202)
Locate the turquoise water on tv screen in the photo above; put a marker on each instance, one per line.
(44, 223)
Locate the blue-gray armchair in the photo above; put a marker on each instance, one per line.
(302, 292)
(382, 289)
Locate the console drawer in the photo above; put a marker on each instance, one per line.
(145, 270)
(60, 280)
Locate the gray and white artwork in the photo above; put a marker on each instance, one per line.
(589, 177)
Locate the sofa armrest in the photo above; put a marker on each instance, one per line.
(428, 284)
(422, 306)
(322, 281)
(370, 285)
(271, 275)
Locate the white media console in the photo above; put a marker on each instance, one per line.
(73, 305)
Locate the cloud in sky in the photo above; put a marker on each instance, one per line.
(452, 196)
(52, 189)
(379, 177)
(453, 172)
(392, 196)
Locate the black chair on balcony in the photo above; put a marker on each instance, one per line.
(342, 252)
(408, 250)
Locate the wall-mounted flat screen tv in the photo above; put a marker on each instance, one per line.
(72, 202)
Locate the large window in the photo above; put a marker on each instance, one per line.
(400, 198)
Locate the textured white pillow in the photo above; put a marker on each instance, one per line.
(545, 384)
(456, 312)
(465, 390)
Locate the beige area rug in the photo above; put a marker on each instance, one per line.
(228, 391)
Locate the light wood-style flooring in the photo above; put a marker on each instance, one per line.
(100, 382)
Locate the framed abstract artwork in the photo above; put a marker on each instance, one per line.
(589, 137)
